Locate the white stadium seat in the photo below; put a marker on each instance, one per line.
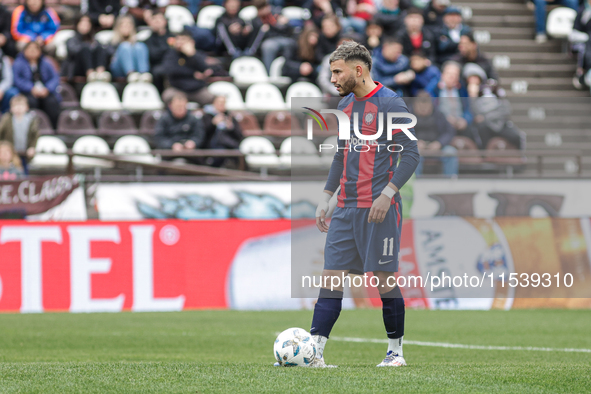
(143, 35)
(178, 17)
(104, 37)
(100, 96)
(302, 89)
(91, 144)
(247, 70)
(295, 13)
(560, 22)
(59, 41)
(298, 152)
(208, 15)
(262, 97)
(248, 13)
(234, 100)
(46, 145)
(140, 96)
(260, 153)
(275, 73)
(137, 147)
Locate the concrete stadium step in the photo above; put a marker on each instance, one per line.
(533, 57)
(521, 45)
(540, 83)
(500, 33)
(564, 106)
(538, 70)
(482, 21)
(571, 122)
(565, 132)
(495, 8)
(549, 93)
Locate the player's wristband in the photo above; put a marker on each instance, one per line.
(389, 192)
(326, 197)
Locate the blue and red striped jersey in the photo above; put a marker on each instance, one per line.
(363, 168)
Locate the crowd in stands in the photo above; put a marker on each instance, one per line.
(420, 48)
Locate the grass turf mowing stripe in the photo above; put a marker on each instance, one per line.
(462, 346)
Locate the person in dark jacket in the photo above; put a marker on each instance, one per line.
(415, 37)
(36, 78)
(7, 44)
(450, 34)
(321, 8)
(102, 12)
(86, 57)
(222, 130)
(187, 71)
(330, 34)
(158, 47)
(581, 45)
(390, 17)
(304, 64)
(433, 14)
(452, 97)
(34, 22)
(426, 75)
(7, 89)
(178, 129)
(469, 53)
(232, 32)
(390, 67)
(434, 134)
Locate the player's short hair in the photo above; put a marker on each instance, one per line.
(351, 50)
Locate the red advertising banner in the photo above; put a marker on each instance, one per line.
(113, 266)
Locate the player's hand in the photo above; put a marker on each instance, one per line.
(379, 209)
(321, 213)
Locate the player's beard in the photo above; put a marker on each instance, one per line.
(348, 86)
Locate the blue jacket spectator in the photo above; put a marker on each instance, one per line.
(388, 62)
(36, 78)
(426, 75)
(451, 32)
(34, 22)
(453, 97)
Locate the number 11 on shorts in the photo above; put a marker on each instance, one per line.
(386, 246)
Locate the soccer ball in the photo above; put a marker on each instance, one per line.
(294, 347)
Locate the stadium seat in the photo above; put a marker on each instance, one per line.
(260, 153)
(59, 41)
(116, 124)
(302, 89)
(560, 22)
(248, 70)
(148, 122)
(208, 15)
(139, 96)
(262, 97)
(69, 96)
(248, 13)
(99, 96)
(137, 147)
(248, 123)
(465, 144)
(275, 73)
(104, 37)
(234, 100)
(178, 17)
(499, 144)
(143, 35)
(327, 152)
(75, 122)
(298, 152)
(46, 145)
(280, 124)
(45, 127)
(295, 13)
(91, 144)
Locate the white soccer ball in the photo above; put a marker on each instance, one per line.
(294, 347)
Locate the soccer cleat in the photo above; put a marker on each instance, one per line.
(392, 360)
(319, 363)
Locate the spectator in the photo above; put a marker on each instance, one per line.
(433, 14)
(7, 44)
(102, 12)
(274, 31)
(86, 57)
(426, 75)
(131, 58)
(330, 34)
(582, 45)
(453, 97)
(187, 71)
(434, 134)
(7, 89)
(469, 53)
(36, 78)
(158, 46)
(232, 32)
(177, 129)
(306, 62)
(10, 166)
(222, 129)
(450, 34)
(373, 35)
(321, 8)
(359, 13)
(390, 67)
(34, 22)
(415, 37)
(540, 14)
(390, 17)
(20, 127)
(142, 10)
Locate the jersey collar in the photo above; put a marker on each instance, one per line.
(370, 94)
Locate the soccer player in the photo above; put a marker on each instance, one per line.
(364, 234)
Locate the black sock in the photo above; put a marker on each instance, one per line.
(393, 312)
(326, 312)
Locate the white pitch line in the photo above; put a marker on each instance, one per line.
(461, 346)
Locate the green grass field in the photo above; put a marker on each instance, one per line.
(228, 351)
